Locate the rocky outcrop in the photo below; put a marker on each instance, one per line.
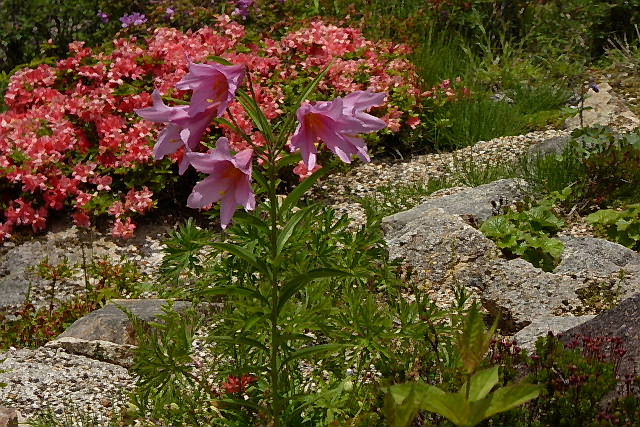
(441, 248)
(439, 245)
(19, 263)
(475, 205)
(605, 109)
(527, 336)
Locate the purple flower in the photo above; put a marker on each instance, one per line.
(242, 8)
(213, 85)
(133, 19)
(336, 123)
(229, 180)
(170, 12)
(103, 16)
(594, 87)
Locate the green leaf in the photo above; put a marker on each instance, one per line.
(309, 351)
(473, 341)
(242, 217)
(401, 405)
(255, 112)
(506, 398)
(293, 197)
(481, 383)
(288, 229)
(295, 284)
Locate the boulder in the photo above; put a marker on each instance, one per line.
(110, 323)
(554, 145)
(527, 336)
(475, 204)
(105, 351)
(440, 247)
(621, 321)
(107, 334)
(610, 266)
(520, 293)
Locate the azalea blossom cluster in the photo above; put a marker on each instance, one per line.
(71, 139)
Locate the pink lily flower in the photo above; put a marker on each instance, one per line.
(214, 86)
(336, 123)
(182, 128)
(229, 180)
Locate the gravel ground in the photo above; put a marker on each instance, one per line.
(363, 180)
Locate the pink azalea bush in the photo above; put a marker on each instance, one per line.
(71, 139)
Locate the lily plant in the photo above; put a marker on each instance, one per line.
(234, 179)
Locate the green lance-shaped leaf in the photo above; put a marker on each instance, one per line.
(482, 383)
(511, 396)
(288, 229)
(254, 111)
(402, 403)
(293, 197)
(295, 284)
(473, 341)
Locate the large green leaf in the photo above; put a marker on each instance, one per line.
(511, 396)
(481, 383)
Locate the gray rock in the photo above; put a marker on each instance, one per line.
(555, 145)
(614, 266)
(9, 417)
(440, 246)
(111, 324)
(105, 351)
(475, 204)
(527, 336)
(604, 108)
(19, 263)
(621, 321)
(520, 293)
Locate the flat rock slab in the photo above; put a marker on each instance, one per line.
(475, 204)
(110, 323)
(527, 337)
(615, 267)
(440, 247)
(622, 321)
(520, 293)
